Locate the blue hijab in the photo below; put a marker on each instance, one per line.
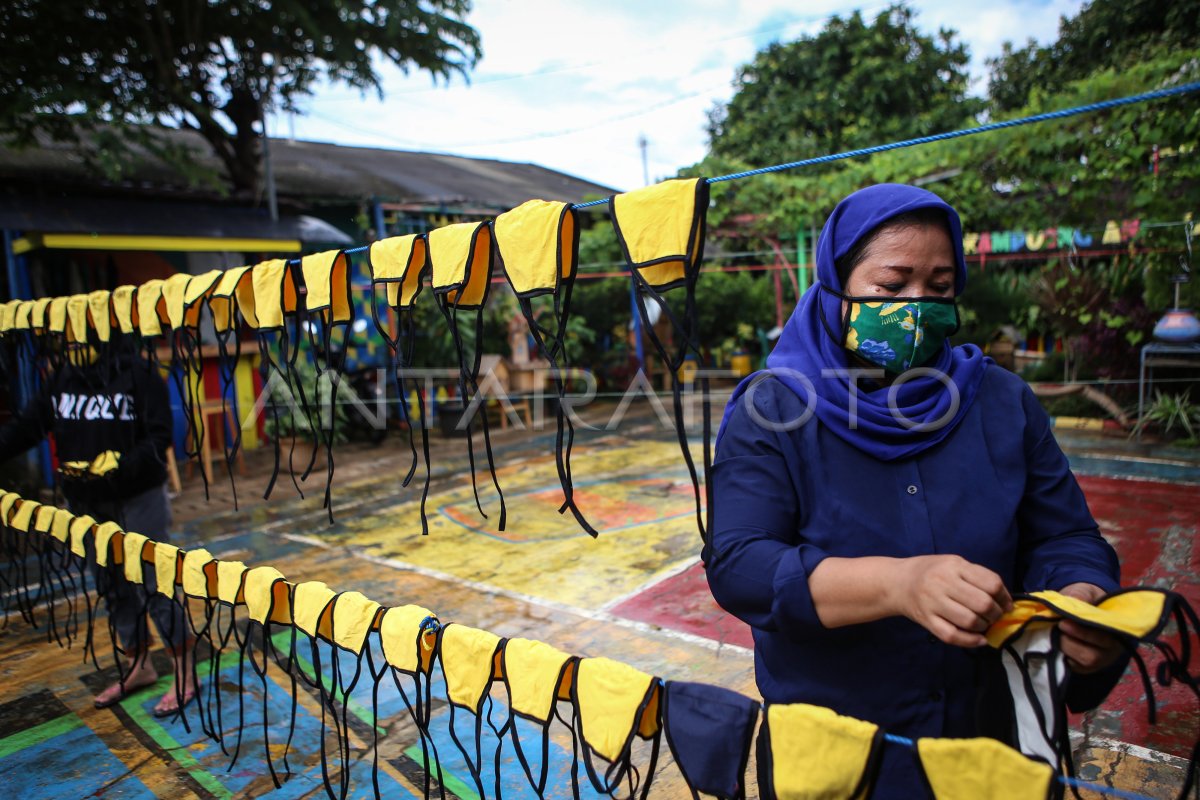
(805, 347)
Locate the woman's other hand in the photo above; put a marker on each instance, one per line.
(951, 598)
(1087, 649)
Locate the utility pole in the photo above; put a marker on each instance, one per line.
(642, 143)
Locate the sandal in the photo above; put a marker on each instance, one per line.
(122, 692)
(162, 713)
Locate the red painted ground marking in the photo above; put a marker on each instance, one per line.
(1155, 528)
(684, 603)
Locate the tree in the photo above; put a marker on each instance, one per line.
(75, 68)
(1104, 34)
(852, 85)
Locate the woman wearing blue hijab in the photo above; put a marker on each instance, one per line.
(880, 493)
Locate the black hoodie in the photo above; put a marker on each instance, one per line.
(117, 403)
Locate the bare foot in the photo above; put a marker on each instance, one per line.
(169, 704)
(141, 674)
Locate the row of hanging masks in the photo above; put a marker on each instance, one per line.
(661, 230)
(498, 698)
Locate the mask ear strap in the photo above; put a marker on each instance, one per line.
(409, 326)
(462, 386)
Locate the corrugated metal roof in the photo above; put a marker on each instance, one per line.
(122, 215)
(316, 172)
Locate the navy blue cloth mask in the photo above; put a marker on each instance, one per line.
(925, 412)
(710, 731)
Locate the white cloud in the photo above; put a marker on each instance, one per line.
(599, 76)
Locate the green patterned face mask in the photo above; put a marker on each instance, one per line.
(902, 334)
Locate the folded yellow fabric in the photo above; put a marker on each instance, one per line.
(406, 645)
(100, 314)
(194, 292)
(612, 700)
(37, 315)
(353, 617)
(327, 283)
(60, 527)
(274, 293)
(399, 262)
(469, 659)
(173, 290)
(1136, 612)
(268, 596)
(538, 244)
(81, 528)
(199, 574)
(23, 517)
(22, 314)
(310, 609)
(56, 315)
(166, 568)
(661, 229)
(122, 308)
(7, 501)
(135, 551)
(982, 769)
(534, 672)
(42, 517)
(148, 299)
(109, 538)
(461, 258)
(817, 753)
(77, 318)
(229, 582)
(233, 281)
(7, 311)
(98, 467)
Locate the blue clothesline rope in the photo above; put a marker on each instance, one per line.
(1158, 94)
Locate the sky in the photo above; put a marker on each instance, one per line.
(577, 86)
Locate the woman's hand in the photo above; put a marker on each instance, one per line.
(1087, 649)
(950, 597)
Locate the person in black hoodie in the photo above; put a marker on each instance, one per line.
(116, 403)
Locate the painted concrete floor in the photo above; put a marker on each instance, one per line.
(636, 594)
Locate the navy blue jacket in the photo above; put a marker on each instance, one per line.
(998, 492)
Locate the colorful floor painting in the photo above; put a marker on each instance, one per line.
(637, 594)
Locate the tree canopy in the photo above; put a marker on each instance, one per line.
(76, 67)
(1104, 34)
(853, 84)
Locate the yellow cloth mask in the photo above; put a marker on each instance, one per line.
(166, 568)
(537, 675)
(310, 609)
(77, 318)
(813, 752)
(199, 574)
(100, 314)
(122, 308)
(661, 230)
(81, 528)
(195, 292)
(327, 283)
(461, 258)
(109, 537)
(399, 262)
(148, 299)
(409, 636)
(268, 596)
(353, 618)
(538, 244)
(37, 316)
(470, 659)
(274, 293)
(229, 582)
(982, 769)
(135, 552)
